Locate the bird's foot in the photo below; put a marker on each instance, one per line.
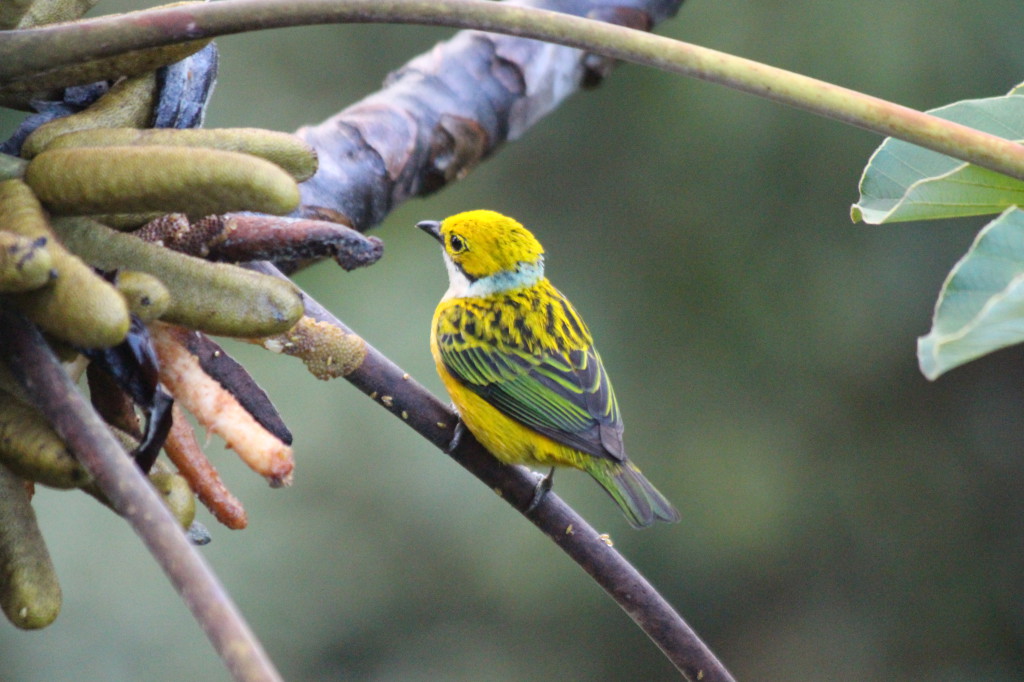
(543, 486)
(460, 431)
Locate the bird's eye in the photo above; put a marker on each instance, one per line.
(456, 243)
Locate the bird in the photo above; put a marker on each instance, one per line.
(520, 365)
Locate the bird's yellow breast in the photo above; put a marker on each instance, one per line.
(507, 439)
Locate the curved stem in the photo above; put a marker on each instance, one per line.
(401, 395)
(48, 386)
(23, 53)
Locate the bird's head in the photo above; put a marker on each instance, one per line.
(486, 252)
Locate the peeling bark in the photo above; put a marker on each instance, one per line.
(448, 109)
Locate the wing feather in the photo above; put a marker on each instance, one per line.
(545, 373)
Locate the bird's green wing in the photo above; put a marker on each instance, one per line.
(564, 394)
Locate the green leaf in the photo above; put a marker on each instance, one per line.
(981, 306)
(906, 182)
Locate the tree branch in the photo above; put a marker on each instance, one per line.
(401, 395)
(48, 386)
(445, 111)
(27, 52)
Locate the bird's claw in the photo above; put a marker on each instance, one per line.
(460, 431)
(542, 488)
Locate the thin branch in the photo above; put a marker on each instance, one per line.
(23, 53)
(37, 369)
(401, 395)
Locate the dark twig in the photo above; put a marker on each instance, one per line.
(393, 388)
(239, 237)
(233, 377)
(37, 369)
(112, 403)
(257, 237)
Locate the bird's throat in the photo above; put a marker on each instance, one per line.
(461, 286)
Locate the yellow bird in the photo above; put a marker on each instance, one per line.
(520, 364)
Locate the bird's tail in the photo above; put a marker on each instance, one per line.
(640, 501)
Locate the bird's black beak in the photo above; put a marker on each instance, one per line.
(431, 227)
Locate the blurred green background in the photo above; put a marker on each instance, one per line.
(844, 519)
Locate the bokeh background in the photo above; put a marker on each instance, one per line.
(844, 519)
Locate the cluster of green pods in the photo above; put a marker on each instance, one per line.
(64, 266)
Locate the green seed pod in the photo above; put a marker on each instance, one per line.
(29, 13)
(146, 296)
(177, 495)
(128, 104)
(296, 157)
(217, 298)
(20, 212)
(25, 264)
(29, 592)
(30, 448)
(127, 222)
(199, 182)
(12, 12)
(11, 167)
(20, 92)
(79, 306)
